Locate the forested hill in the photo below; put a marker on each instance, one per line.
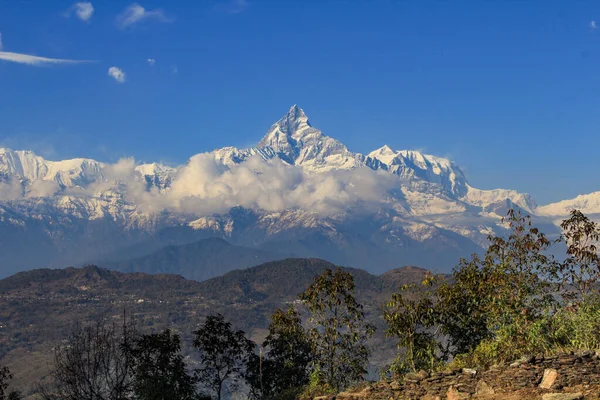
(40, 308)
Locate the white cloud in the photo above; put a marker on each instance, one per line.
(83, 10)
(593, 25)
(11, 190)
(35, 60)
(151, 61)
(42, 188)
(117, 73)
(135, 13)
(205, 186)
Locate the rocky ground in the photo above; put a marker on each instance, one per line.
(560, 377)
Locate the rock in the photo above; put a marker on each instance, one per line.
(563, 396)
(453, 394)
(550, 375)
(469, 371)
(483, 388)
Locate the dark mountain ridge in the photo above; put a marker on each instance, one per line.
(39, 308)
(198, 260)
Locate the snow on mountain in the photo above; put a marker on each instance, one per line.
(411, 165)
(586, 203)
(296, 142)
(485, 198)
(28, 166)
(297, 191)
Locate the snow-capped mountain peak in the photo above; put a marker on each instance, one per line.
(586, 203)
(28, 166)
(385, 154)
(295, 141)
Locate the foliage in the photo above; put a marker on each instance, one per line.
(581, 267)
(577, 328)
(503, 307)
(224, 354)
(502, 297)
(338, 332)
(284, 370)
(462, 307)
(411, 317)
(517, 268)
(159, 371)
(316, 386)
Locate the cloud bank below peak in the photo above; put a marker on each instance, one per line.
(205, 186)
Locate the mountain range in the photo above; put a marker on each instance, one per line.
(297, 192)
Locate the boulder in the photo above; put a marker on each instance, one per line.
(548, 379)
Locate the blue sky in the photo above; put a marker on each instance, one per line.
(509, 90)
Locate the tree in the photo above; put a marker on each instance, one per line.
(285, 368)
(411, 317)
(580, 269)
(94, 365)
(500, 304)
(14, 395)
(159, 371)
(224, 354)
(338, 333)
(5, 376)
(462, 306)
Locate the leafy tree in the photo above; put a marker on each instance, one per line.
(224, 354)
(581, 268)
(94, 365)
(518, 269)
(159, 371)
(463, 306)
(338, 333)
(411, 317)
(285, 368)
(504, 294)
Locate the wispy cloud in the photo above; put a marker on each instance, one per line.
(232, 6)
(593, 24)
(83, 10)
(174, 69)
(151, 61)
(35, 60)
(135, 13)
(1, 46)
(117, 73)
